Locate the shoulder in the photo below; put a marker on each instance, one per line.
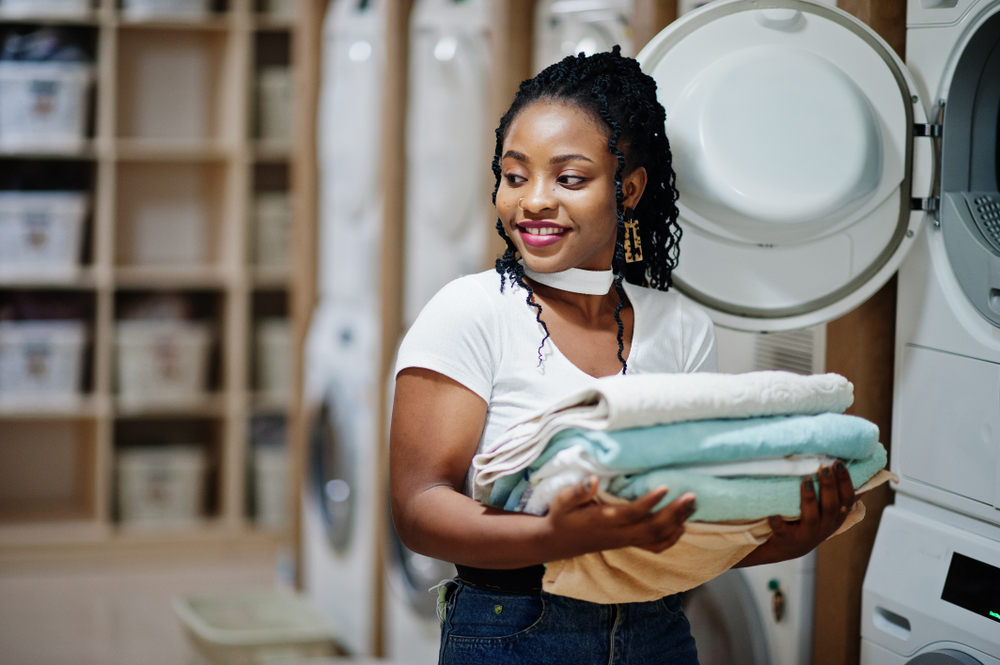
(676, 332)
(673, 305)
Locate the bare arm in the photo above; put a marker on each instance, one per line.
(436, 424)
(820, 518)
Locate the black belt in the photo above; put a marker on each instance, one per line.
(514, 580)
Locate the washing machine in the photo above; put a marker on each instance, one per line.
(339, 502)
(944, 529)
(803, 161)
(448, 218)
(569, 27)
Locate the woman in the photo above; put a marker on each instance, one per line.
(585, 200)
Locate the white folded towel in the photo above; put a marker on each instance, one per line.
(622, 402)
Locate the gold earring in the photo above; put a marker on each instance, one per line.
(633, 245)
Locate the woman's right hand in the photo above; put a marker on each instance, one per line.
(580, 523)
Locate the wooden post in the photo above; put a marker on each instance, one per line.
(649, 17)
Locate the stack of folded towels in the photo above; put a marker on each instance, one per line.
(740, 442)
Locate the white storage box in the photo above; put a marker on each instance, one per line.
(45, 8)
(272, 229)
(151, 10)
(162, 361)
(270, 477)
(274, 103)
(256, 628)
(161, 486)
(41, 232)
(274, 357)
(41, 360)
(43, 106)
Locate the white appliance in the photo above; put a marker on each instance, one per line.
(448, 214)
(569, 27)
(932, 590)
(449, 145)
(339, 502)
(796, 138)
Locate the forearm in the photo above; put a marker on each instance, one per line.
(442, 523)
(769, 552)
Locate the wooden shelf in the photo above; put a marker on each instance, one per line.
(171, 162)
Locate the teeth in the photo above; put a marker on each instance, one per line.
(544, 230)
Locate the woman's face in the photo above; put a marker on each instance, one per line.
(556, 197)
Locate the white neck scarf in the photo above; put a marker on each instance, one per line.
(574, 280)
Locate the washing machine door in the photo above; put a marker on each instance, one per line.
(796, 139)
(726, 623)
(944, 657)
(568, 27)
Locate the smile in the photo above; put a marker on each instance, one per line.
(540, 234)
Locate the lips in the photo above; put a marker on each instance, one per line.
(540, 233)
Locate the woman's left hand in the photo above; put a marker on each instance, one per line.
(820, 517)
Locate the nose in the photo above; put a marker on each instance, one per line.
(538, 198)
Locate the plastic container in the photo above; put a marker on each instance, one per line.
(41, 360)
(272, 217)
(161, 486)
(41, 232)
(270, 478)
(151, 10)
(274, 103)
(43, 106)
(45, 8)
(255, 627)
(162, 361)
(274, 357)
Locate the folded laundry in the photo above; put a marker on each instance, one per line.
(633, 401)
(572, 455)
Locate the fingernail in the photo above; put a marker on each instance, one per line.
(826, 471)
(841, 466)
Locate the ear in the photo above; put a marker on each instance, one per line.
(633, 187)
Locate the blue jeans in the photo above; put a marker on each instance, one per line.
(483, 627)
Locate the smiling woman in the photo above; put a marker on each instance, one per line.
(586, 206)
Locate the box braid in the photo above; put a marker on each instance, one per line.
(613, 88)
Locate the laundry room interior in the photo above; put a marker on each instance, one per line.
(218, 218)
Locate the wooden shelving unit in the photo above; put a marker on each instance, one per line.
(173, 161)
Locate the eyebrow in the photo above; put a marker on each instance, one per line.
(558, 159)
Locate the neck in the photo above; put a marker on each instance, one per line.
(574, 280)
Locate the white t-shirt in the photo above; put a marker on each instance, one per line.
(488, 342)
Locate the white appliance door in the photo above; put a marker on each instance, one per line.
(792, 127)
(569, 27)
(448, 147)
(350, 130)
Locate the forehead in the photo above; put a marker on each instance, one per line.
(554, 124)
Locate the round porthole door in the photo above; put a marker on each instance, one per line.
(794, 140)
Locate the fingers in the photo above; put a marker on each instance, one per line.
(666, 526)
(575, 496)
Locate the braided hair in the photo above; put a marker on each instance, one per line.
(615, 90)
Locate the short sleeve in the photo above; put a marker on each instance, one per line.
(456, 335)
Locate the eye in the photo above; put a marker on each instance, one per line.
(569, 180)
(513, 179)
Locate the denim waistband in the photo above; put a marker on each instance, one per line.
(514, 580)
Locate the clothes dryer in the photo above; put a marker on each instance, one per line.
(798, 142)
(943, 529)
(448, 147)
(569, 27)
(339, 563)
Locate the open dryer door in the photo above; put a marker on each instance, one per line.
(796, 136)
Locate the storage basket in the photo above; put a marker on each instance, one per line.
(162, 361)
(161, 486)
(274, 357)
(41, 232)
(272, 229)
(43, 106)
(274, 103)
(45, 8)
(41, 360)
(150, 10)
(270, 478)
(256, 627)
